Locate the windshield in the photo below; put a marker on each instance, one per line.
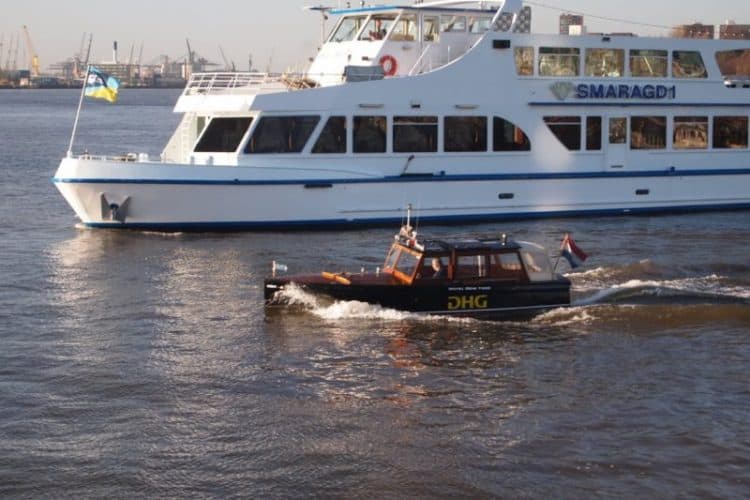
(347, 29)
(377, 27)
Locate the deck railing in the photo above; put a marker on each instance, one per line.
(211, 83)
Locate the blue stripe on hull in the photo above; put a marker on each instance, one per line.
(447, 219)
(671, 172)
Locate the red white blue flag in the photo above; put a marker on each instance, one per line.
(574, 255)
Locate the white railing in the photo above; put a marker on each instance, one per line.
(211, 83)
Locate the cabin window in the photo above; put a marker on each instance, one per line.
(593, 133)
(648, 132)
(567, 129)
(559, 61)
(377, 27)
(347, 29)
(524, 57)
(369, 134)
(470, 267)
(618, 130)
(508, 137)
(281, 134)
(605, 63)
(688, 64)
(537, 265)
(401, 260)
(415, 134)
(223, 135)
(730, 132)
(734, 62)
(479, 24)
(452, 24)
(332, 138)
(648, 63)
(690, 132)
(430, 29)
(405, 29)
(465, 134)
(506, 266)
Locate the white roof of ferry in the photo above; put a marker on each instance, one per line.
(436, 6)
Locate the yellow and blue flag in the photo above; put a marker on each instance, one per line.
(101, 86)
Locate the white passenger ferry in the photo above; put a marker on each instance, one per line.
(454, 108)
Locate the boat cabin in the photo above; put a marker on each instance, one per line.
(413, 262)
(374, 42)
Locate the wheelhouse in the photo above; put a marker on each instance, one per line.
(409, 261)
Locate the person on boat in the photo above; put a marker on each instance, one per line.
(439, 270)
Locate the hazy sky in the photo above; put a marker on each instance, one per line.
(279, 31)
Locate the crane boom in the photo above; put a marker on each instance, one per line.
(34, 66)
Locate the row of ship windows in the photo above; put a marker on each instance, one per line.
(610, 63)
(650, 132)
(404, 27)
(411, 134)
(419, 134)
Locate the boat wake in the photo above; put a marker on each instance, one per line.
(324, 308)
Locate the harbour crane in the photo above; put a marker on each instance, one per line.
(34, 58)
(227, 66)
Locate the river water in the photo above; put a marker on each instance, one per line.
(134, 362)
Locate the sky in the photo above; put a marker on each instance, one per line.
(279, 34)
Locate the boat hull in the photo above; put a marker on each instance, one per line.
(485, 299)
(159, 197)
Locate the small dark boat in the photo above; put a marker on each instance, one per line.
(497, 279)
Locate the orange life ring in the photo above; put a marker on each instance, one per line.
(336, 277)
(389, 65)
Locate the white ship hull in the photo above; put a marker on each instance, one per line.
(230, 200)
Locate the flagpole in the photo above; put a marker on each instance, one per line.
(78, 111)
(559, 253)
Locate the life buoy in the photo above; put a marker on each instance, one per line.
(389, 65)
(336, 277)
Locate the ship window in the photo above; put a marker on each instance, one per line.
(508, 137)
(618, 130)
(567, 129)
(506, 266)
(281, 134)
(690, 132)
(377, 27)
(470, 266)
(593, 133)
(648, 63)
(688, 64)
(537, 265)
(606, 63)
(452, 23)
(430, 29)
(730, 132)
(465, 133)
(479, 24)
(347, 29)
(405, 29)
(415, 134)
(524, 60)
(332, 138)
(648, 132)
(369, 134)
(559, 61)
(734, 62)
(223, 135)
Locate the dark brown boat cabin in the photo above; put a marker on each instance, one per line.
(412, 261)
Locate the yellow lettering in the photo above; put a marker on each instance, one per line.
(453, 302)
(467, 302)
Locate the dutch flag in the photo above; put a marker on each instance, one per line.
(574, 255)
